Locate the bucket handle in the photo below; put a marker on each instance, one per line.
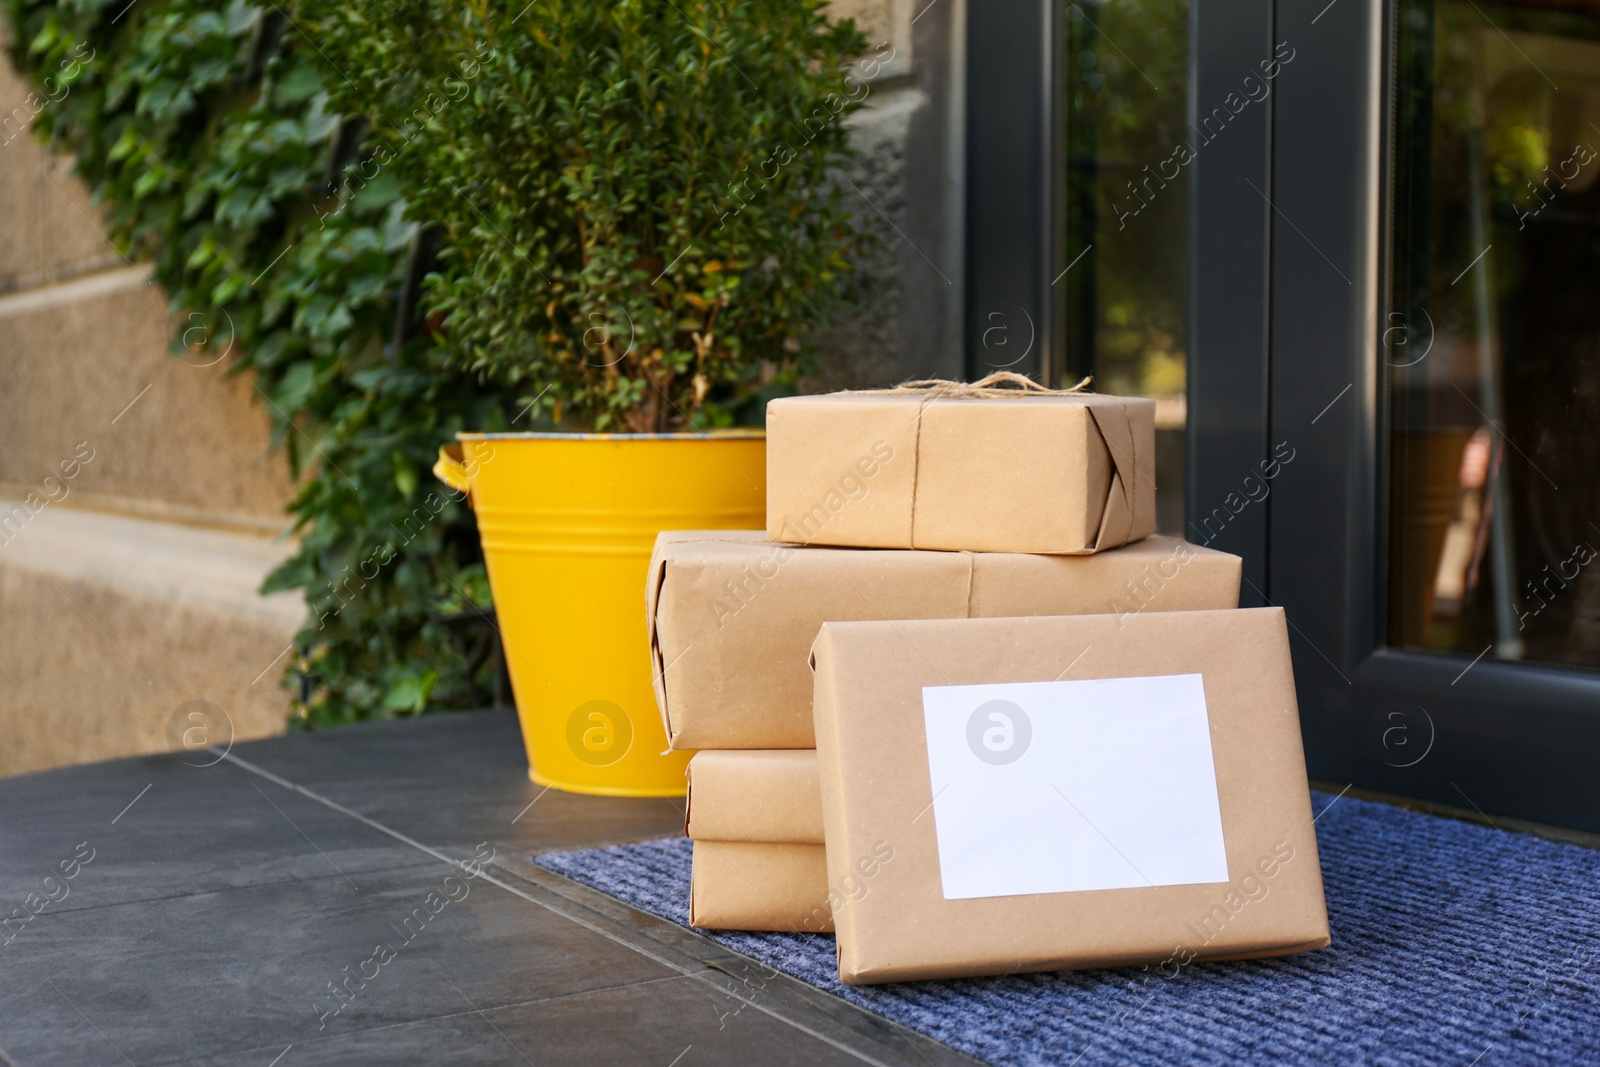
(451, 469)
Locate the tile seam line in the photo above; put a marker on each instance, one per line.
(576, 893)
(381, 1027)
(699, 975)
(218, 891)
(906, 1034)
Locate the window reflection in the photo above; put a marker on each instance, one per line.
(1125, 75)
(1492, 332)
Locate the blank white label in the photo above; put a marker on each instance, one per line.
(1061, 787)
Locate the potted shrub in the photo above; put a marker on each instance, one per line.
(637, 229)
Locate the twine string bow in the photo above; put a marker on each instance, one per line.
(1000, 385)
(997, 386)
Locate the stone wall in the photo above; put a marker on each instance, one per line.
(138, 497)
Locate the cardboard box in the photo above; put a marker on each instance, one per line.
(767, 795)
(732, 615)
(744, 885)
(1150, 808)
(1023, 473)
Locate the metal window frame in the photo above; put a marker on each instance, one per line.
(1012, 186)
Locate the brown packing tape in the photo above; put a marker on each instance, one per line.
(744, 885)
(767, 795)
(878, 792)
(733, 615)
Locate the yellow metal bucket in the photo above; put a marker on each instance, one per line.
(567, 523)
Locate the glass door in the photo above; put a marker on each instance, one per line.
(1383, 218)
(1077, 162)
(1434, 360)
(1492, 340)
(1121, 285)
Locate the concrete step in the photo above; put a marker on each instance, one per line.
(117, 623)
(88, 378)
(52, 229)
(82, 334)
(138, 496)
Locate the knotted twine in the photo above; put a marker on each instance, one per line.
(997, 386)
(1001, 385)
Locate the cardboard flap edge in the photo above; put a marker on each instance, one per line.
(658, 675)
(688, 802)
(1114, 423)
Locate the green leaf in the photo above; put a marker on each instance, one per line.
(405, 476)
(410, 694)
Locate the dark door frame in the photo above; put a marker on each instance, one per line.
(1012, 184)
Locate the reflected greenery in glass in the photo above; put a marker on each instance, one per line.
(1124, 80)
(1125, 69)
(1492, 332)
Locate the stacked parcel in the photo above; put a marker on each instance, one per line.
(974, 510)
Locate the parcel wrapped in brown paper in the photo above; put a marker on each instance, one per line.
(1064, 793)
(764, 795)
(746, 885)
(732, 615)
(960, 467)
(756, 817)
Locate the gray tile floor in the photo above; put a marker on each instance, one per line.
(213, 910)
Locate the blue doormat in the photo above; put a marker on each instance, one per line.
(1452, 944)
